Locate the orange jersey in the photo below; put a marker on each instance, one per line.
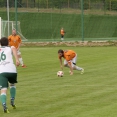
(62, 32)
(14, 40)
(68, 55)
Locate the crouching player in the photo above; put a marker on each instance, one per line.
(8, 73)
(70, 58)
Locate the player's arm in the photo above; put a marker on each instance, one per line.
(19, 46)
(9, 39)
(15, 55)
(19, 40)
(70, 66)
(61, 65)
(68, 58)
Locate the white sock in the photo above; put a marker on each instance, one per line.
(78, 68)
(21, 61)
(3, 93)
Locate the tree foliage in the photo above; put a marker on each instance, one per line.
(107, 4)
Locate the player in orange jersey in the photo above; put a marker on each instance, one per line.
(15, 40)
(70, 58)
(62, 34)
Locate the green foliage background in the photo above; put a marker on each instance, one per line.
(58, 3)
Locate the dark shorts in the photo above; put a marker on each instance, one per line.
(6, 78)
(62, 36)
(74, 63)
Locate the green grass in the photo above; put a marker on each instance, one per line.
(40, 93)
(46, 26)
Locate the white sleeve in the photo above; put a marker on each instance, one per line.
(12, 47)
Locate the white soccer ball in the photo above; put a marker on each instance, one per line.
(60, 73)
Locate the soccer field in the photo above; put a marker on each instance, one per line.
(40, 93)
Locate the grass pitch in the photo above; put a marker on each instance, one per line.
(40, 93)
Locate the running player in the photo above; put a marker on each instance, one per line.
(15, 40)
(70, 58)
(8, 73)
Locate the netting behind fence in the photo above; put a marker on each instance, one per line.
(41, 20)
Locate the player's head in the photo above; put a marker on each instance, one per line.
(4, 41)
(13, 32)
(61, 52)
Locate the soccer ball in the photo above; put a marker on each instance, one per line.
(60, 73)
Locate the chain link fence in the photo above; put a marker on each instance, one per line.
(41, 20)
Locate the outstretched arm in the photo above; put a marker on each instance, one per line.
(61, 63)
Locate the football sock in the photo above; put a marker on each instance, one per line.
(12, 91)
(78, 68)
(3, 98)
(21, 61)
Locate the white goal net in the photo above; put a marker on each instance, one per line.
(6, 28)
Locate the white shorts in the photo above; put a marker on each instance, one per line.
(73, 61)
(18, 52)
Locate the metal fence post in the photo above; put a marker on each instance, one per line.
(82, 19)
(16, 14)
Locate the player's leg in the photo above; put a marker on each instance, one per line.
(12, 80)
(13, 94)
(79, 69)
(74, 60)
(75, 67)
(3, 91)
(3, 99)
(61, 37)
(20, 59)
(66, 63)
